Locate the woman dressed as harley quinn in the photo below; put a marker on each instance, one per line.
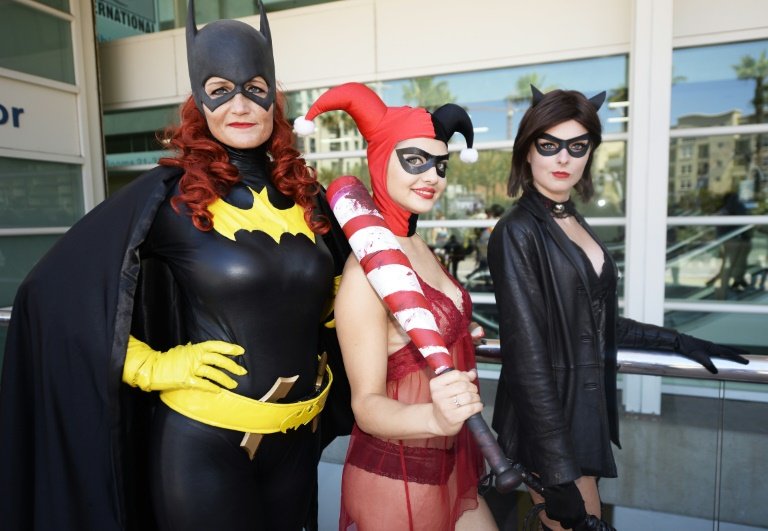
(410, 464)
(223, 285)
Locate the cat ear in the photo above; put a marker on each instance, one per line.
(597, 100)
(536, 95)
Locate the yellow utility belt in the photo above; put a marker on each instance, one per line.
(236, 412)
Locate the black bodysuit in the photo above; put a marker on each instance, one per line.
(264, 287)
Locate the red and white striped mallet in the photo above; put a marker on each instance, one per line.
(388, 269)
(392, 277)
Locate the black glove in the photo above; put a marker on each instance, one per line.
(593, 523)
(564, 504)
(701, 351)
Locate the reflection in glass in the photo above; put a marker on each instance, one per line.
(173, 13)
(497, 99)
(136, 130)
(609, 176)
(718, 262)
(49, 54)
(39, 194)
(704, 170)
(330, 169)
(473, 188)
(720, 83)
(743, 330)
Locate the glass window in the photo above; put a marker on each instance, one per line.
(723, 84)
(609, 177)
(330, 169)
(39, 194)
(131, 139)
(743, 330)
(140, 121)
(116, 19)
(497, 99)
(705, 171)
(48, 54)
(18, 254)
(718, 262)
(61, 5)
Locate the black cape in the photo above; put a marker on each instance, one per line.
(72, 436)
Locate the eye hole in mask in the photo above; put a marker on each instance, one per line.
(415, 161)
(221, 92)
(548, 145)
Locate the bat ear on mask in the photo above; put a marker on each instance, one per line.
(233, 50)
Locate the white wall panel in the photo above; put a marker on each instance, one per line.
(324, 45)
(315, 46)
(703, 17)
(141, 71)
(449, 35)
(47, 119)
(371, 40)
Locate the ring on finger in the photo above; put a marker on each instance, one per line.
(456, 400)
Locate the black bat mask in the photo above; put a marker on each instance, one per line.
(232, 50)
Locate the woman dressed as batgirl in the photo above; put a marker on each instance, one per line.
(207, 284)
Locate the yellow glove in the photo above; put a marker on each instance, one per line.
(183, 367)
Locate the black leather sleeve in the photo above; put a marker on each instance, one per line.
(636, 335)
(529, 380)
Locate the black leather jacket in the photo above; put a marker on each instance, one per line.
(556, 408)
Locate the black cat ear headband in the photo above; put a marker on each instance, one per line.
(596, 100)
(551, 145)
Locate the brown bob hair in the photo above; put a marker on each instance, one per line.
(554, 107)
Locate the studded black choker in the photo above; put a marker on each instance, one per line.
(557, 210)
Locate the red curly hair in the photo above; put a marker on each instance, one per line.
(208, 174)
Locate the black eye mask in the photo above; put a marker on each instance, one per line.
(439, 162)
(212, 102)
(575, 146)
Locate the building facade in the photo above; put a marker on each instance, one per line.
(681, 178)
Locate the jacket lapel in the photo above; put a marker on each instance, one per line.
(566, 246)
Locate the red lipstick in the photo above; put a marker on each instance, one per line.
(426, 193)
(561, 174)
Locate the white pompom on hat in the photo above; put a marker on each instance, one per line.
(451, 118)
(303, 127)
(468, 155)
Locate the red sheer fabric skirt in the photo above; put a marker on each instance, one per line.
(416, 484)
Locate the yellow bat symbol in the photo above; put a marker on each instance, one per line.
(262, 216)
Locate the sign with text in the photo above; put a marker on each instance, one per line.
(116, 19)
(37, 118)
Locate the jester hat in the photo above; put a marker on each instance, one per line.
(383, 127)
